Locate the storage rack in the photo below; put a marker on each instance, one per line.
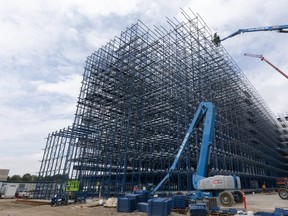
(139, 93)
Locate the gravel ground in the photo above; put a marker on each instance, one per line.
(10, 207)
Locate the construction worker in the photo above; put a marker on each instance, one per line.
(135, 188)
(216, 39)
(264, 187)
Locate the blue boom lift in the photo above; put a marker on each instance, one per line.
(279, 28)
(226, 187)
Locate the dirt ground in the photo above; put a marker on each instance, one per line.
(10, 207)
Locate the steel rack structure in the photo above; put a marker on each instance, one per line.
(283, 132)
(139, 93)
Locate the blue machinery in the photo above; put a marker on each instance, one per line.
(278, 28)
(205, 112)
(226, 187)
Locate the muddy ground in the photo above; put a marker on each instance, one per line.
(9, 207)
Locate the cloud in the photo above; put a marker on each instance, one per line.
(68, 85)
(31, 163)
(44, 45)
(271, 85)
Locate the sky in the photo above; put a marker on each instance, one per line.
(44, 45)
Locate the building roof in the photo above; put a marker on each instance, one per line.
(4, 174)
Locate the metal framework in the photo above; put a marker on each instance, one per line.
(283, 132)
(139, 93)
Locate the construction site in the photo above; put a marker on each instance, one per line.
(139, 94)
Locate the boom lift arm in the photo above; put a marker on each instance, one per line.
(261, 57)
(278, 28)
(205, 112)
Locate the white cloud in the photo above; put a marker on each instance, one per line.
(93, 8)
(271, 85)
(30, 161)
(68, 85)
(44, 45)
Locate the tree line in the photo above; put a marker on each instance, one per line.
(25, 178)
(33, 178)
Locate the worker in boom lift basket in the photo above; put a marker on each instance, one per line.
(216, 39)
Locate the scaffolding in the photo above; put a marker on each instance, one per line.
(283, 132)
(139, 93)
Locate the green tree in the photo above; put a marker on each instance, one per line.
(34, 178)
(26, 177)
(15, 178)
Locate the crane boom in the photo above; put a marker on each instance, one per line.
(261, 57)
(205, 112)
(279, 28)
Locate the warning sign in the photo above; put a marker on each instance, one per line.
(72, 185)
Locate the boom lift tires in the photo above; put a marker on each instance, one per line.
(238, 196)
(226, 198)
(283, 193)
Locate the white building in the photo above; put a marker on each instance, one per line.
(4, 174)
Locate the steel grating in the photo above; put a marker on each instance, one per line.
(139, 93)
